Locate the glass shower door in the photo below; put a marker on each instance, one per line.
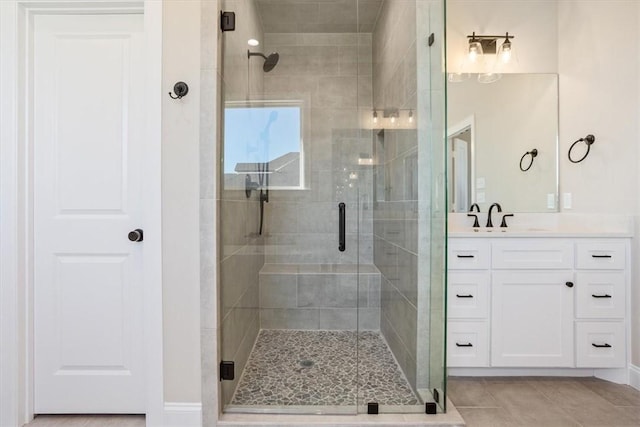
(289, 193)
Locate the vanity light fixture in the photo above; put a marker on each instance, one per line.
(253, 42)
(393, 117)
(480, 45)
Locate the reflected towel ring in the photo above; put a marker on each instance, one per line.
(589, 139)
(533, 153)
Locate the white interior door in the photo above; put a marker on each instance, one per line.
(88, 125)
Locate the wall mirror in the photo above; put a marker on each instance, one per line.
(493, 130)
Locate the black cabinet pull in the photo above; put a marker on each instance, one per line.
(601, 296)
(464, 296)
(341, 227)
(605, 345)
(465, 256)
(464, 345)
(600, 256)
(569, 284)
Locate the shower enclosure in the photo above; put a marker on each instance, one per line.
(332, 206)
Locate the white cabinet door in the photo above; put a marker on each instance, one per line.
(532, 319)
(88, 121)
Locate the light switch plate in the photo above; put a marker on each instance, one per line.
(551, 201)
(480, 197)
(480, 183)
(566, 200)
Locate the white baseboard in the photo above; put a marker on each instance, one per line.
(179, 414)
(634, 376)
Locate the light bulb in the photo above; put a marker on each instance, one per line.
(410, 116)
(393, 118)
(375, 116)
(253, 42)
(475, 50)
(505, 54)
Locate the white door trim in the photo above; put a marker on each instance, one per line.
(16, 237)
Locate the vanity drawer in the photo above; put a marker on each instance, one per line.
(598, 255)
(468, 254)
(600, 345)
(600, 295)
(468, 294)
(467, 344)
(532, 254)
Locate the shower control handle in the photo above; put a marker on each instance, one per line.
(341, 227)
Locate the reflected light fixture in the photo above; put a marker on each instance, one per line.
(253, 42)
(410, 116)
(375, 116)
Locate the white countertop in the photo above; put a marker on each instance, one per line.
(546, 225)
(498, 232)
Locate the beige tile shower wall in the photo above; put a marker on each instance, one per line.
(331, 75)
(241, 248)
(395, 219)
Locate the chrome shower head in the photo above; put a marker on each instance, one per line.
(269, 61)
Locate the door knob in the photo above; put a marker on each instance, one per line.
(569, 284)
(136, 235)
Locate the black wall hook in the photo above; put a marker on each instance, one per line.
(533, 153)
(589, 139)
(180, 89)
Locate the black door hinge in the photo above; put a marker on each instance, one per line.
(436, 395)
(227, 371)
(430, 408)
(228, 21)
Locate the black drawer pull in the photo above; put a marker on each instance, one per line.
(464, 345)
(601, 296)
(605, 345)
(600, 256)
(465, 256)
(464, 296)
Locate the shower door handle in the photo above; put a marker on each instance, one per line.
(341, 227)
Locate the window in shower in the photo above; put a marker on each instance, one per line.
(264, 141)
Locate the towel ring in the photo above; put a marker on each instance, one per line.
(589, 139)
(533, 153)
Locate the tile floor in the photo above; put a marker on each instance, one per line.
(88, 421)
(290, 367)
(487, 402)
(544, 402)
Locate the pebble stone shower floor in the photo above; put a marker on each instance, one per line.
(292, 367)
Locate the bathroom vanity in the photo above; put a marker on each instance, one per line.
(538, 301)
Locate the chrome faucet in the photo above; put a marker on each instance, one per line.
(476, 224)
(495, 205)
